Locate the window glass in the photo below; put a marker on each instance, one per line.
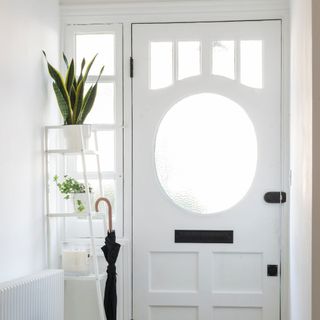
(251, 63)
(103, 108)
(88, 45)
(223, 59)
(188, 59)
(161, 64)
(106, 145)
(206, 153)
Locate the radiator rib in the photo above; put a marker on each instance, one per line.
(36, 297)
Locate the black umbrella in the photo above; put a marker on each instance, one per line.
(111, 251)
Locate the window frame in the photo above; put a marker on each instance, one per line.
(69, 48)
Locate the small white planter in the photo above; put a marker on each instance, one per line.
(72, 136)
(80, 202)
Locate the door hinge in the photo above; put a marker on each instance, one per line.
(131, 67)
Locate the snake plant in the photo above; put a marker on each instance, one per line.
(73, 102)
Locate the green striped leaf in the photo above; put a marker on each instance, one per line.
(63, 106)
(87, 95)
(88, 104)
(65, 60)
(70, 77)
(83, 63)
(89, 100)
(89, 67)
(56, 76)
(73, 97)
(79, 100)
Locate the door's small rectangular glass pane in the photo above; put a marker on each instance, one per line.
(188, 59)
(106, 146)
(88, 45)
(103, 108)
(223, 59)
(251, 63)
(161, 64)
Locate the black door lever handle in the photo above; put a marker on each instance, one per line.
(275, 197)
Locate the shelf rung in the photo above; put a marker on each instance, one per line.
(93, 175)
(81, 238)
(70, 152)
(94, 127)
(77, 215)
(90, 277)
(99, 240)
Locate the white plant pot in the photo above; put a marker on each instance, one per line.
(72, 136)
(79, 200)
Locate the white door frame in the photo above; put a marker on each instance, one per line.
(191, 11)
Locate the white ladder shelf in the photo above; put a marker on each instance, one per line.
(97, 277)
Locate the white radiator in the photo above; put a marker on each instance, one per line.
(36, 297)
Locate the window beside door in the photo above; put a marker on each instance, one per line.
(85, 41)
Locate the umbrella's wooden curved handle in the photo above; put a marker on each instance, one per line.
(106, 200)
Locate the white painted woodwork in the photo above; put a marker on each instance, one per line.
(301, 282)
(316, 156)
(139, 2)
(104, 39)
(206, 281)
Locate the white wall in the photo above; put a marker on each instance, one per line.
(26, 27)
(316, 161)
(301, 160)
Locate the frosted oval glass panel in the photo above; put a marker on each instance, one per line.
(88, 45)
(206, 153)
(223, 59)
(188, 59)
(161, 64)
(251, 63)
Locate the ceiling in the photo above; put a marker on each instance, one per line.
(70, 2)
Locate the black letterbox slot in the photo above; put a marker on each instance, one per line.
(203, 236)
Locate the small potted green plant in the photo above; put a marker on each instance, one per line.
(72, 189)
(74, 103)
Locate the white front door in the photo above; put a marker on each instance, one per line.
(206, 150)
